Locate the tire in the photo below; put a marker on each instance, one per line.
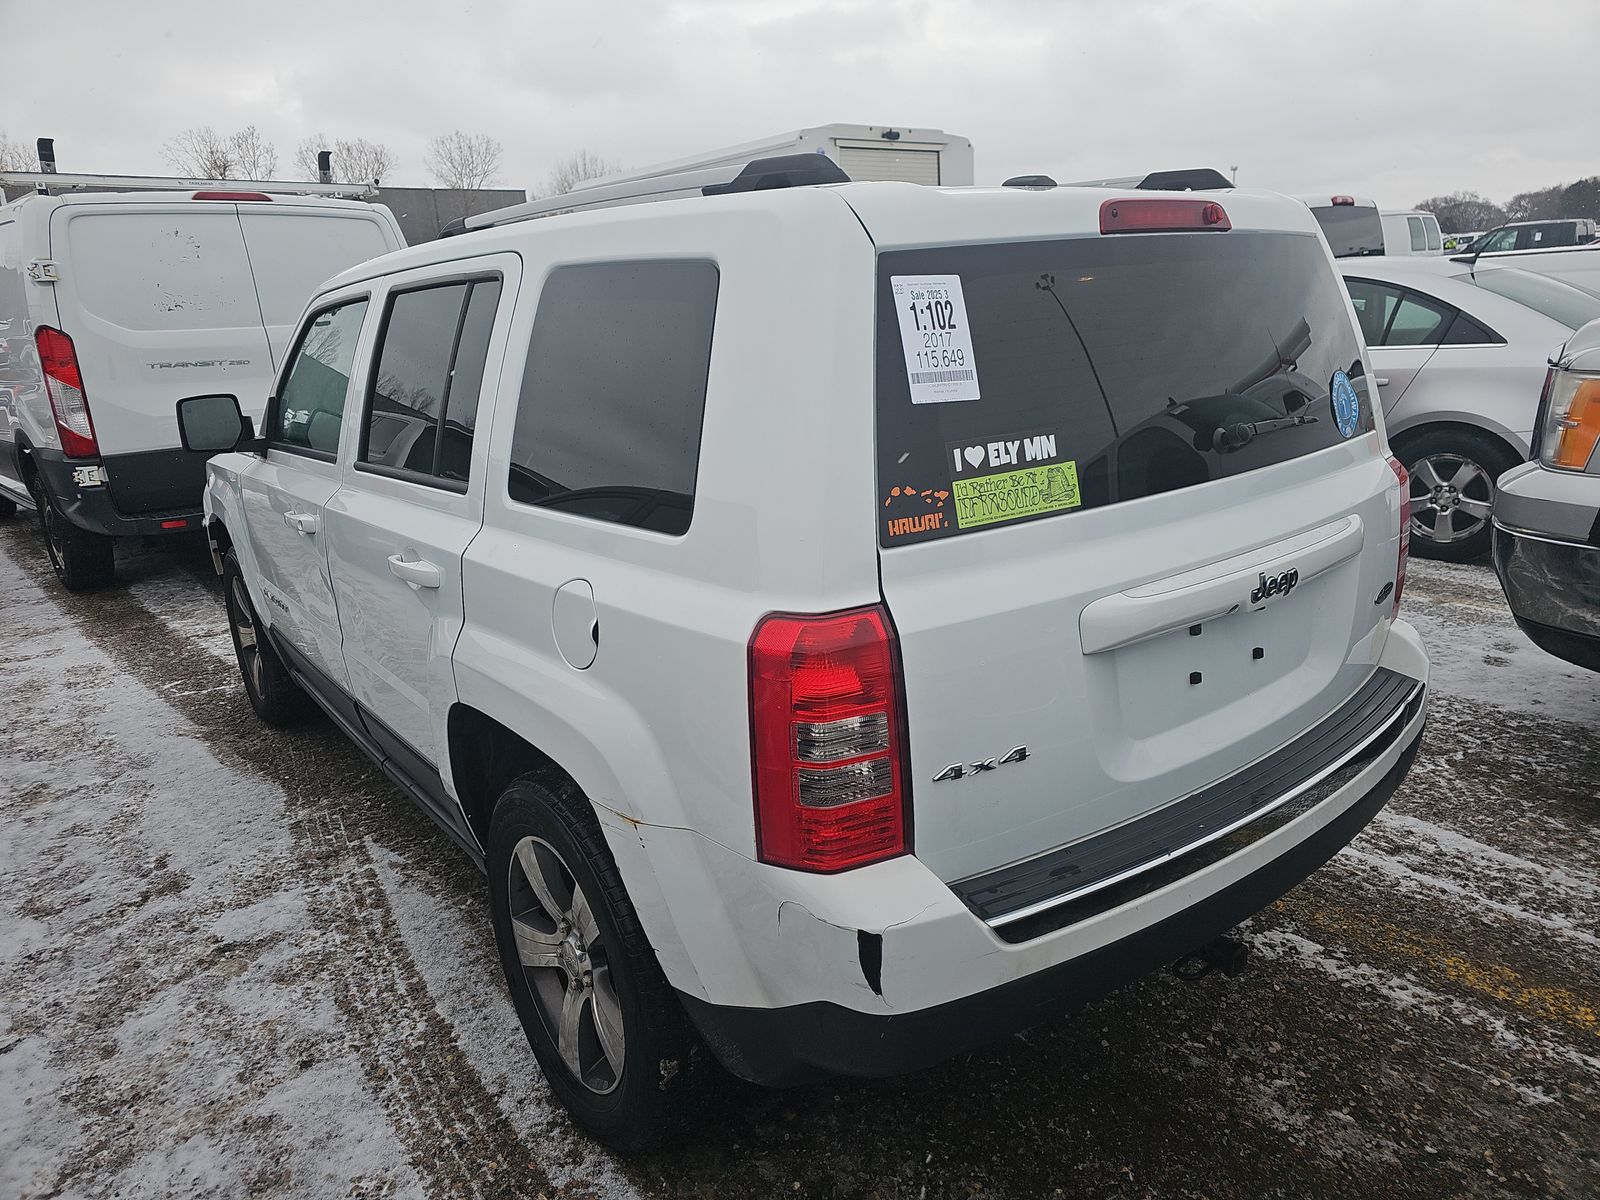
(603, 966)
(82, 561)
(276, 697)
(1452, 489)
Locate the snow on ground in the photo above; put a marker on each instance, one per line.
(233, 961)
(166, 1029)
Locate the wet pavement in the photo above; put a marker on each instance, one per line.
(235, 961)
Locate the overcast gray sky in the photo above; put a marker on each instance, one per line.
(1396, 99)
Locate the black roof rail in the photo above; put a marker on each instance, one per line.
(1198, 179)
(757, 175)
(1030, 181)
(780, 171)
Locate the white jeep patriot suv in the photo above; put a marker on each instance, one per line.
(846, 623)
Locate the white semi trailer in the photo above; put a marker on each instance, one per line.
(863, 152)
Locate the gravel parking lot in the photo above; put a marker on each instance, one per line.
(235, 961)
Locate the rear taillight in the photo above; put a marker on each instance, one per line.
(1401, 474)
(1161, 216)
(64, 384)
(828, 740)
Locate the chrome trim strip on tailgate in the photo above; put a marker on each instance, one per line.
(1386, 689)
(1215, 590)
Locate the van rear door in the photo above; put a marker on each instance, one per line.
(158, 301)
(295, 248)
(1146, 534)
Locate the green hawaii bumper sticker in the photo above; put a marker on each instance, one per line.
(1012, 495)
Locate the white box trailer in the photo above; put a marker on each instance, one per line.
(863, 152)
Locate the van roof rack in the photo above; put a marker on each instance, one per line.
(757, 175)
(1194, 179)
(50, 182)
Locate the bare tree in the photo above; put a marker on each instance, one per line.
(1460, 212)
(200, 153)
(253, 156)
(355, 160)
(575, 169)
(463, 160)
(12, 156)
(1541, 204)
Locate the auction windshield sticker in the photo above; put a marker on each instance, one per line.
(936, 338)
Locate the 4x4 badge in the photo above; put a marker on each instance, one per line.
(961, 770)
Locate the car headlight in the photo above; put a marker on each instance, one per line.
(1572, 422)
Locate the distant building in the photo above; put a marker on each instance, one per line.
(422, 212)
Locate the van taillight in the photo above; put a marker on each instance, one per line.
(828, 740)
(255, 197)
(1340, 201)
(1404, 477)
(63, 383)
(1161, 216)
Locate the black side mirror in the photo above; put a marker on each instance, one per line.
(213, 424)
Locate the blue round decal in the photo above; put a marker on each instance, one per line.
(1346, 404)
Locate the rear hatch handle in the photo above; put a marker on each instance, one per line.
(1247, 581)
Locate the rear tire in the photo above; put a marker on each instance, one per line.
(276, 697)
(588, 961)
(1453, 473)
(82, 561)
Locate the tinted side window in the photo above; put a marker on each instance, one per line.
(310, 405)
(1464, 331)
(429, 372)
(1504, 239)
(1418, 321)
(409, 377)
(613, 395)
(1374, 304)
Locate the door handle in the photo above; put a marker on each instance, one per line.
(1382, 381)
(416, 572)
(304, 522)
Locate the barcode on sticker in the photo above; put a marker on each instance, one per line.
(942, 376)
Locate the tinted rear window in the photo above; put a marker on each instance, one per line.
(1573, 307)
(1351, 229)
(1107, 368)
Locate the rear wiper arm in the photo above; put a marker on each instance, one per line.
(1232, 437)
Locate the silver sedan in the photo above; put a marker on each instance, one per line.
(1459, 358)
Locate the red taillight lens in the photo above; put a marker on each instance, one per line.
(1343, 200)
(1161, 216)
(64, 384)
(827, 741)
(1404, 477)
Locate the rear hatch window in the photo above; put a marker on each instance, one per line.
(1026, 381)
(1352, 230)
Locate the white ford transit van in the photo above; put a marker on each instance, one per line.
(113, 306)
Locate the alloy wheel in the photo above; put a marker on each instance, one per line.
(1451, 497)
(566, 965)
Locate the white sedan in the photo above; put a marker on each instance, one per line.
(1460, 357)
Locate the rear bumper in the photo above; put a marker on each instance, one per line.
(792, 1045)
(95, 508)
(883, 970)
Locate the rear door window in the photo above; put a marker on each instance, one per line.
(164, 271)
(1106, 369)
(1352, 230)
(310, 405)
(1374, 304)
(422, 401)
(1419, 234)
(613, 395)
(1418, 321)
